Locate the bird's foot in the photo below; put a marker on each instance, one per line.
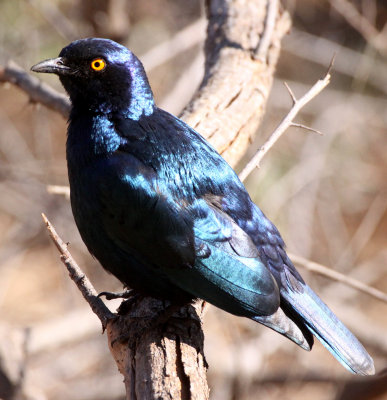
(127, 294)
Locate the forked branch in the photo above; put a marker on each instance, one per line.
(287, 121)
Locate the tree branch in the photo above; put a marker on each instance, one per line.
(266, 37)
(286, 122)
(354, 18)
(230, 102)
(59, 190)
(338, 277)
(80, 279)
(38, 91)
(162, 360)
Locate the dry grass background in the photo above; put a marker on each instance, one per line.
(327, 195)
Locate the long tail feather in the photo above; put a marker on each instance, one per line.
(321, 321)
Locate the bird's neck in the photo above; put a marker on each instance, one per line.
(141, 96)
(122, 105)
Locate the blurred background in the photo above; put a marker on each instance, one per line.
(326, 194)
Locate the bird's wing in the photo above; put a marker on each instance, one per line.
(228, 271)
(197, 246)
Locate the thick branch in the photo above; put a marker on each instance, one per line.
(230, 103)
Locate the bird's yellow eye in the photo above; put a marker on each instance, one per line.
(98, 64)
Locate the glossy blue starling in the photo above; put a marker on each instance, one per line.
(163, 211)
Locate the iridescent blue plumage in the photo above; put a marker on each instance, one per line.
(163, 212)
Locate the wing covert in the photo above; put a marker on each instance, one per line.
(227, 271)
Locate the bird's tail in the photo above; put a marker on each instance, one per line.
(332, 333)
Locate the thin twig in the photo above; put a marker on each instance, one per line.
(183, 40)
(292, 95)
(337, 276)
(308, 128)
(286, 122)
(58, 20)
(61, 190)
(369, 223)
(354, 18)
(77, 275)
(38, 91)
(266, 38)
(316, 49)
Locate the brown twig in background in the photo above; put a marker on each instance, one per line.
(337, 276)
(183, 87)
(317, 49)
(57, 19)
(38, 91)
(286, 122)
(348, 11)
(60, 190)
(182, 41)
(266, 37)
(365, 230)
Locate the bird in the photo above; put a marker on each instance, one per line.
(162, 211)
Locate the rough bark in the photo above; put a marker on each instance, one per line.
(230, 103)
(160, 360)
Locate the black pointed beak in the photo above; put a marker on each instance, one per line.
(53, 66)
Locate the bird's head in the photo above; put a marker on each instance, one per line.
(102, 76)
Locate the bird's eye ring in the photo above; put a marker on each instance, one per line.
(98, 64)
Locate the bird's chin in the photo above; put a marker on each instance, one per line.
(53, 66)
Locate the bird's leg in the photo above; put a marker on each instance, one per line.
(127, 294)
(130, 295)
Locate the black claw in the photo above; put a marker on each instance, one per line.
(120, 295)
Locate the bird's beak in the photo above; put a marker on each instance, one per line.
(53, 66)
